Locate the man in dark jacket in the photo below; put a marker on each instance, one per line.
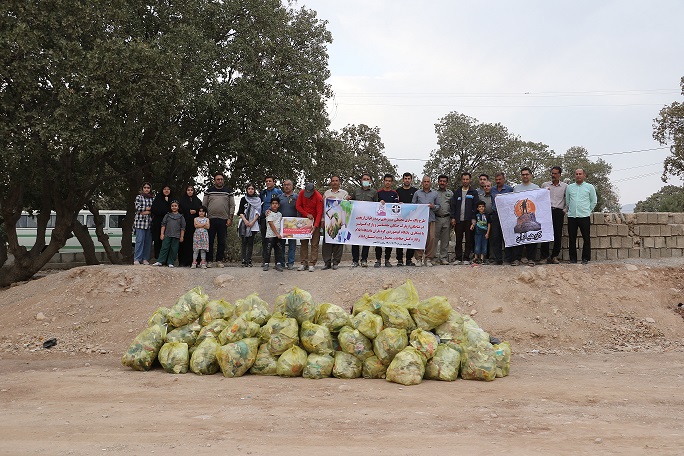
(463, 207)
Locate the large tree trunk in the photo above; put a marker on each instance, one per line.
(83, 235)
(127, 226)
(102, 237)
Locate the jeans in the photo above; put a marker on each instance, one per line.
(218, 228)
(291, 251)
(480, 244)
(143, 244)
(583, 223)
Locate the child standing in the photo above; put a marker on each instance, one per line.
(481, 226)
(273, 238)
(200, 240)
(172, 231)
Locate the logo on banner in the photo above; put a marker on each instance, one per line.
(526, 221)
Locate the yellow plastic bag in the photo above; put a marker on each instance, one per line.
(407, 367)
(396, 316)
(255, 308)
(217, 309)
(187, 334)
(240, 329)
(431, 313)
(203, 358)
(352, 341)
(424, 341)
(332, 317)
(368, 323)
(174, 357)
(389, 342)
(265, 363)
(159, 317)
(405, 295)
(502, 352)
(444, 365)
(281, 333)
(236, 358)
(292, 362)
(315, 338)
(188, 307)
(346, 366)
(299, 304)
(213, 329)
(478, 363)
(366, 302)
(452, 328)
(318, 366)
(144, 349)
(373, 368)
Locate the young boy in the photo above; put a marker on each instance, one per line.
(273, 238)
(172, 232)
(481, 227)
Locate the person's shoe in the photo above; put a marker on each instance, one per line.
(524, 260)
(335, 266)
(194, 265)
(530, 263)
(312, 268)
(171, 266)
(146, 263)
(364, 263)
(265, 268)
(279, 267)
(210, 265)
(301, 268)
(219, 264)
(429, 264)
(290, 266)
(400, 263)
(410, 263)
(355, 264)
(573, 261)
(249, 265)
(136, 263)
(326, 266)
(388, 264)
(157, 264)
(444, 262)
(457, 263)
(515, 263)
(549, 260)
(377, 264)
(499, 262)
(555, 260)
(419, 264)
(585, 261)
(203, 265)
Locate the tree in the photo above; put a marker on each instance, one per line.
(597, 173)
(668, 128)
(670, 198)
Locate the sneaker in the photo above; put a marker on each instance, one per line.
(335, 266)
(377, 264)
(530, 263)
(419, 264)
(524, 260)
(312, 269)
(210, 265)
(301, 268)
(388, 264)
(204, 265)
(355, 264)
(401, 263)
(157, 264)
(290, 266)
(515, 263)
(279, 267)
(265, 268)
(555, 260)
(136, 263)
(585, 261)
(219, 264)
(429, 264)
(444, 262)
(146, 263)
(194, 265)
(171, 266)
(499, 262)
(326, 266)
(364, 264)
(410, 263)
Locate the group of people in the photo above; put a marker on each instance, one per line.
(190, 229)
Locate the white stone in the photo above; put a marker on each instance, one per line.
(222, 280)
(40, 316)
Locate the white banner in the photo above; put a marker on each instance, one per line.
(525, 217)
(376, 224)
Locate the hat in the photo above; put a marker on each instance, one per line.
(308, 189)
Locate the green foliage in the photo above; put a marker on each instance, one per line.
(668, 128)
(670, 198)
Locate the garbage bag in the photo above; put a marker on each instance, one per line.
(213, 329)
(236, 358)
(352, 341)
(265, 363)
(366, 302)
(257, 309)
(217, 309)
(396, 316)
(452, 328)
(292, 362)
(332, 317)
(432, 312)
(187, 334)
(373, 368)
(159, 317)
(407, 367)
(405, 295)
(502, 352)
(315, 338)
(174, 357)
(444, 365)
(144, 349)
(281, 333)
(318, 366)
(478, 363)
(240, 329)
(389, 342)
(298, 304)
(347, 366)
(188, 307)
(424, 341)
(203, 359)
(474, 335)
(368, 323)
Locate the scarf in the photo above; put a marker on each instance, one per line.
(252, 210)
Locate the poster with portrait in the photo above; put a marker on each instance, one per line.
(525, 217)
(296, 228)
(376, 224)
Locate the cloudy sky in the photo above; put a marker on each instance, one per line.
(580, 73)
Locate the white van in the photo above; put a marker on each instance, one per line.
(111, 221)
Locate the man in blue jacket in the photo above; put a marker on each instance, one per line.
(463, 207)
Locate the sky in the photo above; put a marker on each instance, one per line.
(581, 73)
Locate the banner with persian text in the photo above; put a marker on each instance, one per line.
(525, 217)
(376, 224)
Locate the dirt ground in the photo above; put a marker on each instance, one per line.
(596, 369)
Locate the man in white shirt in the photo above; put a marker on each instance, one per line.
(558, 209)
(332, 253)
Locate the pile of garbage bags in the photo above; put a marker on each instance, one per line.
(391, 334)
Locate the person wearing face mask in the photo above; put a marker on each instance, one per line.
(364, 193)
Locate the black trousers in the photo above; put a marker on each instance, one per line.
(583, 223)
(462, 230)
(378, 253)
(557, 217)
(355, 253)
(218, 229)
(247, 244)
(400, 255)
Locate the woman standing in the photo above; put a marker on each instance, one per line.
(249, 211)
(160, 207)
(143, 225)
(189, 207)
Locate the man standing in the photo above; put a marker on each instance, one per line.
(332, 253)
(531, 249)
(581, 200)
(266, 195)
(558, 208)
(427, 196)
(442, 220)
(496, 233)
(463, 208)
(364, 193)
(310, 205)
(220, 205)
(406, 192)
(288, 208)
(387, 194)
(483, 178)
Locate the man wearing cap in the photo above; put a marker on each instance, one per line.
(288, 207)
(332, 253)
(310, 205)
(442, 220)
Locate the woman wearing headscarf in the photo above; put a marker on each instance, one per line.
(189, 206)
(160, 207)
(248, 211)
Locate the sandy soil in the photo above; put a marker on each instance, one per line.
(597, 368)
